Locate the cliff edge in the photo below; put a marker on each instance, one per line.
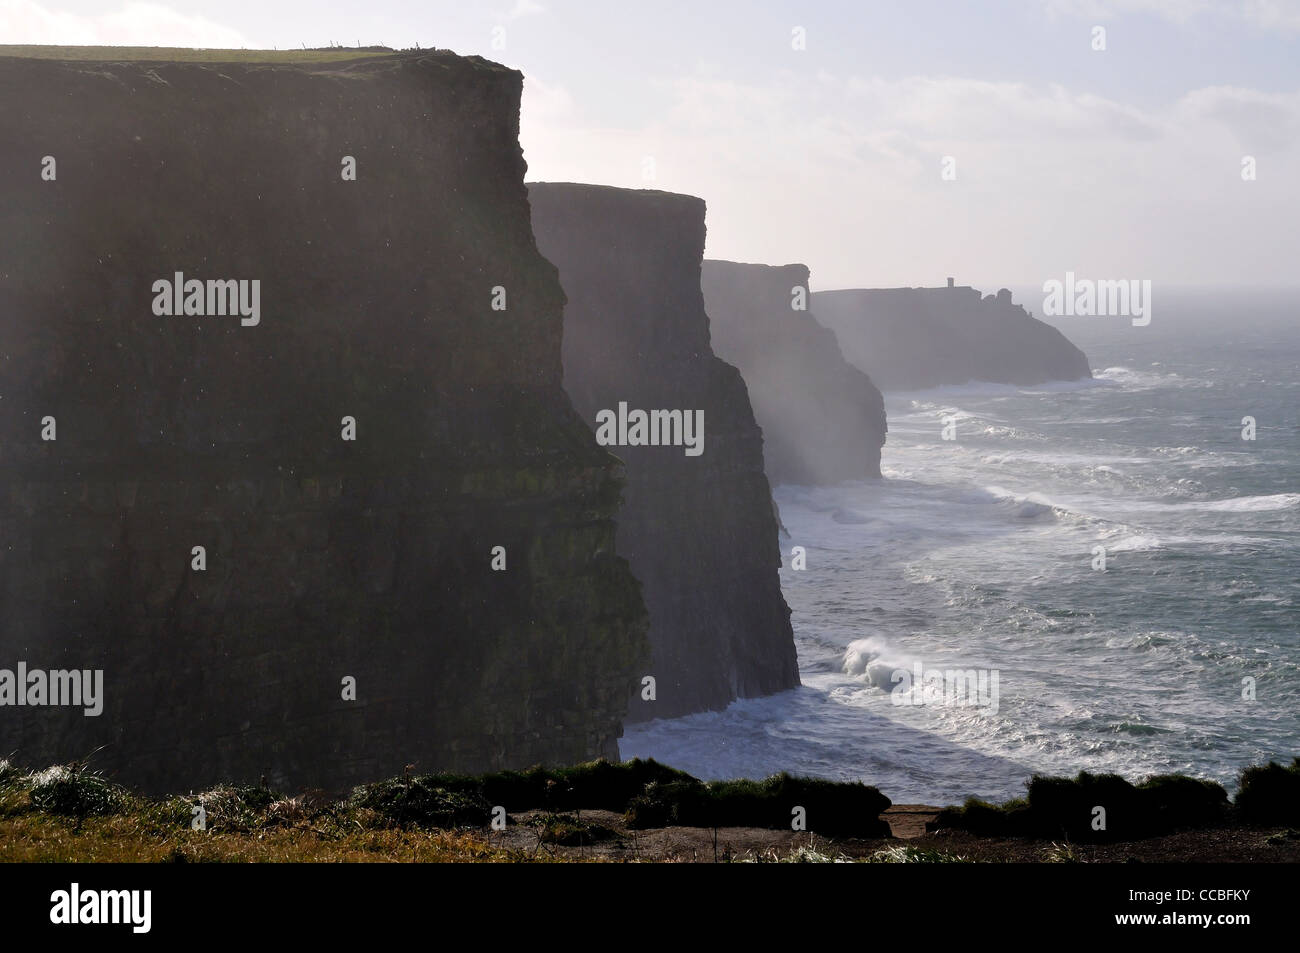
(914, 338)
(263, 428)
(823, 419)
(697, 525)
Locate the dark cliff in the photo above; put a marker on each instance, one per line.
(325, 558)
(823, 420)
(699, 531)
(912, 338)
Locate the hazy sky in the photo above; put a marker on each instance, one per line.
(1122, 163)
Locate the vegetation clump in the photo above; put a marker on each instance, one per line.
(1270, 794)
(1095, 808)
(67, 812)
(71, 792)
(848, 809)
(422, 801)
(568, 830)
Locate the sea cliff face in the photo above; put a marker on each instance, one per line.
(324, 559)
(699, 530)
(913, 338)
(823, 420)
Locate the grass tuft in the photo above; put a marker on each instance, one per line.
(422, 801)
(914, 855)
(73, 793)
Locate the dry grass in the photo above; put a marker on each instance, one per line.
(68, 814)
(131, 838)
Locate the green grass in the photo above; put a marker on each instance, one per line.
(167, 54)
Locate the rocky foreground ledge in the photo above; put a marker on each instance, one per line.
(644, 811)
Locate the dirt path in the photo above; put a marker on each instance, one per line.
(908, 820)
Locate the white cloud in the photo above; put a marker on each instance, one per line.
(1176, 10)
(1280, 15)
(1259, 121)
(946, 107)
(134, 24)
(843, 173)
(523, 8)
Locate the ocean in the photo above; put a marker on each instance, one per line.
(981, 554)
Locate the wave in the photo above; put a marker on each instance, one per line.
(975, 388)
(1031, 506)
(1250, 504)
(930, 409)
(1136, 544)
(1014, 433)
(1236, 504)
(1061, 459)
(1141, 541)
(1133, 379)
(874, 661)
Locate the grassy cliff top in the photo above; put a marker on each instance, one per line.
(167, 54)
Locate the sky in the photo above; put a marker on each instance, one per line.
(821, 132)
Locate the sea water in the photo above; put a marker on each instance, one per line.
(981, 553)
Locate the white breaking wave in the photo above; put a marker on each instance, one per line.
(1250, 504)
(874, 661)
(1031, 505)
(1131, 379)
(1136, 544)
(1240, 504)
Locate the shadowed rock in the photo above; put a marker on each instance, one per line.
(913, 338)
(823, 420)
(699, 531)
(325, 558)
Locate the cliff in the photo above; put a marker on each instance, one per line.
(823, 420)
(323, 558)
(912, 338)
(698, 530)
